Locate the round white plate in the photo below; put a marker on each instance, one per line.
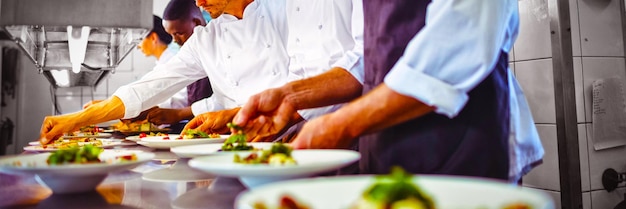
(70, 178)
(122, 142)
(210, 149)
(446, 191)
(159, 142)
(105, 144)
(82, 135)
(309, 162)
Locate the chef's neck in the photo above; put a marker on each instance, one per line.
(236, 7)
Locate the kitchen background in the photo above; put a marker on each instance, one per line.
(597, 49)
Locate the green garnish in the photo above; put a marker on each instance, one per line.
(85, 154)
(395, 187)
(237, 140)
(192, 134)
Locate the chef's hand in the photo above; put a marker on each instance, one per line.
(160, 116)
(323, 133)
(92, 102)
(54, 127)
(212, 122)
(265, 114)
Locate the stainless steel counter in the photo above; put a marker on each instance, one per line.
(150, 185)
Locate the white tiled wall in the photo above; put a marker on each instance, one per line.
(546, 175)
(598, 50)
(536, 79)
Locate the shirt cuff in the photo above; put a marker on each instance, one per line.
(446, 99)
(353, 63)
(205, 105)
(132, 104)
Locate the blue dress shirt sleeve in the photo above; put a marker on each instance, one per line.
(454, 52)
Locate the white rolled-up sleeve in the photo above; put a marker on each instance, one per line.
(206, 105)
(452, 54)
(161, 83)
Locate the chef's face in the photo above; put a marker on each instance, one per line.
(147, 45)
(214, 7)
(180, 29)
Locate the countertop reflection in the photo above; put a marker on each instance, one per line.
(128, 189)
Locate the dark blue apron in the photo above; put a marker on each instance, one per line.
(474, 143)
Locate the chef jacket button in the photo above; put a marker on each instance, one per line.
(236, 83)
(274, 73)
(262, 16)
(297, 9)
(297, 40)
(228, 57)
(319, 27)
(268, 46)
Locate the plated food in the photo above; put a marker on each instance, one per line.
(167, 141)
(67, 173)
(198, 150)
(309, 163)
(62, 143)
(396, 190)
(278, 154)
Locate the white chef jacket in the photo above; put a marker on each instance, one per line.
(454, 52)
(240, 57)
(321, 36)
(178, 100)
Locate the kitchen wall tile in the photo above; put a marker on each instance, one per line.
(141, 63)
(603, 159)
(533, 41)
(119, 79)
(587, 200)
(69, 91)
(584, 157)
(546, 175)
(536, 79)
(596, 68)
(512, 55)
(126, 64)
(578, 89)
(69, 104)
(575, 26)
(600, 28)
(602, 199)
(100, 89)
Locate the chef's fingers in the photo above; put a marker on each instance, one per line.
(248, 111)
(194, 123)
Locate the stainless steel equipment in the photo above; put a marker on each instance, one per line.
(75, 42)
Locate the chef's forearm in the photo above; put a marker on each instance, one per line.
(109, 109)
(377, 110)
(332, 87)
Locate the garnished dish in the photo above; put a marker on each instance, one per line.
(398, 189)
(394, 191)
(196, 134)
(85, 154)
(236, 141)
(278, 154)
(92, 131)
(75, 169)
(64, 143)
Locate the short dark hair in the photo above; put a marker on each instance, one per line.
(157, 27)
(181, 9)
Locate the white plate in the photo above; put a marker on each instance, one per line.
(105, 144)
(72, 177)
(122, 142)
(159, 143)
(82, 135)
(210, 149)
(309, 163)
(446, 191)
